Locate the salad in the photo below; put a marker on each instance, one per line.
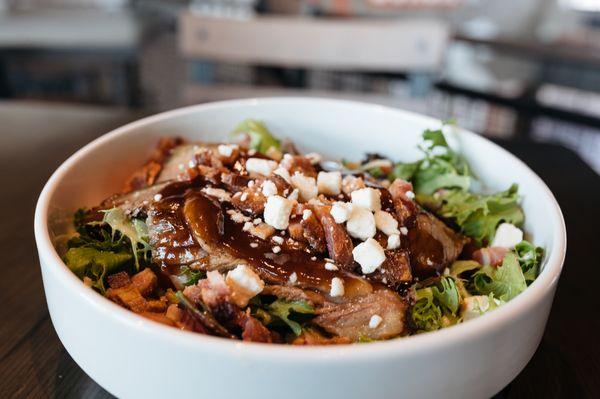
(251, 240)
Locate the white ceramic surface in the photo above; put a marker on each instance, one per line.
(133, 357)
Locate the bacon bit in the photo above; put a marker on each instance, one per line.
(490, 256)
(148, 173)
(118, 280)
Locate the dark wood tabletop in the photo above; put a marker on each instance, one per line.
(35, 139)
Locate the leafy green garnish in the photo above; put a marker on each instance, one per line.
(446, 293)
(505, 282)
(261, 138)
(284, 310)
(437, 305)
(530, 258)
(134, 229)
(95, 264)
(442, 180)
(426, 315)
(477, 216)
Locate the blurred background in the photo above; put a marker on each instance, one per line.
(513, 70)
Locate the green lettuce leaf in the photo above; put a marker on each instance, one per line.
(505, 282)
(261, 138)
(95, 264)
(283, 310)
(476, 215)
(446, 294)
(530, 258)
(134, 229)
(436, 306)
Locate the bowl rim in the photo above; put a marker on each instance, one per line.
(405, 346)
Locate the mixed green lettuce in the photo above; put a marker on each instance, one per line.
(105, 247)
(442, 180)
(290, 314)
(436, 305)
(261, 138)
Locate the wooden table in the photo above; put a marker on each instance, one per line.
(35, 139)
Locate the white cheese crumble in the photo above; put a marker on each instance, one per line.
(157, 197)
(375, 321)
(369, 255)
(276, 249)
(329, 183)
(244, 196)
(507, 236)
(237, 217)
(369, 198)
(269, 188)
(341, 211)
(474, 306)
(386, 223)
(253, 245)
(361, 224)
(294, 195)
(226, 150)
(277, 212)
(277, 239)
(393, 241)
(293, 278)
(283, 172)
(260, 166)
(314, 157)
(404, 230)
(337, 287)
(330, 266)
(306, 214)
(244, 284)
(410, 195)
(307, 186)
(218, 193)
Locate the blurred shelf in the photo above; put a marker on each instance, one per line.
(341, 44)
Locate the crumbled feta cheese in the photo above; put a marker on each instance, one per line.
(351, 183)
(276, 249)
(337, 287)
(386, 223)
(237, 216)
(274, 153)
(361, 223)
(277, 212)
(277, 239)
(244, 284)
(410, 195)
(429, 262)
(307, 186)
(375, 321)
(314, 157)
(474, 306)
(341, 211)
(244, 196)
(507, 236)
(157, 197)
(293, 278)
(404, 230)
(253, 245)
(283, 172)
(294, 195)
(369, 198)
(329, 183)
(330, 266)
(269, 188)
(257, 221)
(251, 184)
(369, 255)
(218, 193)
(247, 226)
(260, 166)
(306, 214)
(393, 241)
(226, 150)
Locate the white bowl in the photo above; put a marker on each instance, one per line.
(133, 357)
